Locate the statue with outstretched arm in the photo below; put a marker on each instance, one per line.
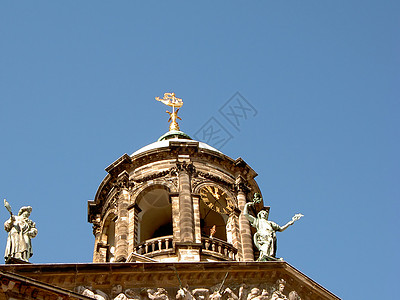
(265, 237)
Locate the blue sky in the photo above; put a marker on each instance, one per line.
(77, 87)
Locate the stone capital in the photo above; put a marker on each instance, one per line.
(241, 185)
(183, 166)
(96, 226)
(123, 183)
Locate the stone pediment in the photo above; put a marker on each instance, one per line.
(139, 278)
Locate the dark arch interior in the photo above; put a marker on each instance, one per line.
(156, 214)
(209, 218)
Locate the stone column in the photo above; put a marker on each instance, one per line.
(175, 216)
(186, 247)
(97, 240)
(185, 206)
(133, 238)
(121, 227)
(235, 232)
(244, 224)
(196, 218)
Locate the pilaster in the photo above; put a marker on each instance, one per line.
(97, 238)
(174, 198)
(196, 215)
(122, 222)
(234, 229)
(185, 203)
(133, 238)
(244, 225)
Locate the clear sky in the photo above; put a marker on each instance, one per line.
(77, 87)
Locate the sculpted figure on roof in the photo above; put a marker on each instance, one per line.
(20, 232)
(265, 237)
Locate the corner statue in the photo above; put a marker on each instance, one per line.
(20, 232)
(265, 237)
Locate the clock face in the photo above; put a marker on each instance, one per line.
(216, 199)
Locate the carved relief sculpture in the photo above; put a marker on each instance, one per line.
(278, 293)
(217, 292)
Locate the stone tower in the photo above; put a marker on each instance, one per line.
(163, 202)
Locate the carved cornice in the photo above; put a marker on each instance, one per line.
(128, 164)
(142, 276)
(171, 171)
(168, 176)
(214, 178)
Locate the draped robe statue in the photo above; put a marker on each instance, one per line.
(20, 232)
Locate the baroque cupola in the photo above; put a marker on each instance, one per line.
(176, 199)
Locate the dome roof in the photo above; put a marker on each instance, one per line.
(165, 144)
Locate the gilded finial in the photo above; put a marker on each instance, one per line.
(170, 100)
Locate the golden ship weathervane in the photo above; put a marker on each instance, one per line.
(170, 100)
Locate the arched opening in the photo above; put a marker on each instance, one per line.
(155, 218)
(108, 237)
(111, 241)
(210, 218)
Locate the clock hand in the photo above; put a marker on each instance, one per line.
(213, 191)
(216, 200)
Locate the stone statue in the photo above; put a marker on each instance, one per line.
(201, 294)
(117, 293)
(157, 294)
(20, 232)
(294, 296)
(257, 294)
(184, 294)
(91, 293)
(265, 237)
(278, 293)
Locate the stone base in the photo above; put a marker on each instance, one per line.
(13, 260)
(188, 252)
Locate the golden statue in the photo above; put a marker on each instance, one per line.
(170, 100)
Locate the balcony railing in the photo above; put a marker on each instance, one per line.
(164, 245)
(156, 246)
(218, 248)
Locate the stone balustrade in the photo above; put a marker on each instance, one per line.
(218, 248)
(210, 246)
(155, 246)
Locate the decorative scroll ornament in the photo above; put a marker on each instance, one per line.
(170, 100)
